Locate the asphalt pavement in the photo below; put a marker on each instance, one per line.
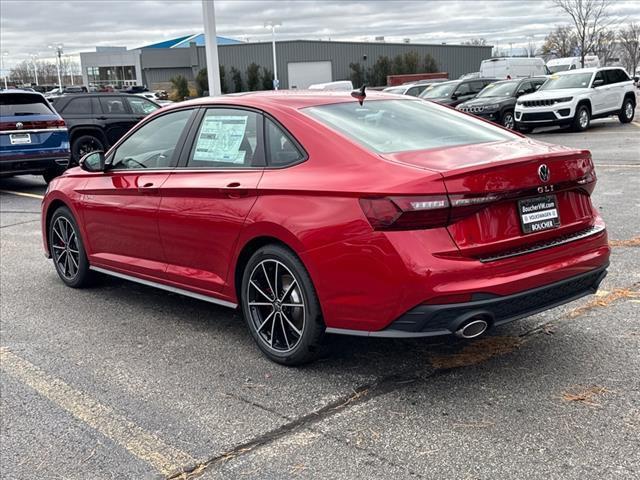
(124, 381)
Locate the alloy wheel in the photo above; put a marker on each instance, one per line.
(508, 121)
(584, 118)
(276, 305)
(628, 110)
(87, 147)
(65, 248)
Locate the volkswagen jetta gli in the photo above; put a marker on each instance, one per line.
(317, 213)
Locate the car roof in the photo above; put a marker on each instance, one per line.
(19, 90)
(294, 99)
(587, 70)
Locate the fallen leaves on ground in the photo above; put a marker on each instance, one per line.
(585, 395)
(605, 300)
(477, 352)
(632, 242)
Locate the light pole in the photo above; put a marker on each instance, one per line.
(33, 57)
(272, 25)
(58, 48)
(211, 47)
(4, 73)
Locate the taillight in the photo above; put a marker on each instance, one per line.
(56, 123)
(421, 212)
(406, 213)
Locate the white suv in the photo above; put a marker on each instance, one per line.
(575, 97)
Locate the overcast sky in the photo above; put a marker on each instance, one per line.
(29, 26)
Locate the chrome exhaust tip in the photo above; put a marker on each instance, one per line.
(472, 329)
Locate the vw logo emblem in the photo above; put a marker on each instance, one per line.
(19, 125)
(543, 173)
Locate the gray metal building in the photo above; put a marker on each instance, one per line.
(301, 62)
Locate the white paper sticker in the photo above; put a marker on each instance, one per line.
(220, 139)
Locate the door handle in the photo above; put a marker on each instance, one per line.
(101, 118)
(148, 189)
(236, 192)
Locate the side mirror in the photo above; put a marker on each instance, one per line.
(454, 96)
(93, 162)
(520, 92)
(636, 79)
(598, 83)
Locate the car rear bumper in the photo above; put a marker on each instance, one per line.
(434, 320)
(19, 166)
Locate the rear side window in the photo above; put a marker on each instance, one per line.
(79, 106)
(227, 138)
(141, 106)
(281, 149)
(616, 76)
(387, 126)
(17, 104)
(113, 105)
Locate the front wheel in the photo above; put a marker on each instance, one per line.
(67, 249)
(83, 145)
(582, 119)
(627, 112)
(508, 121)
(281, 307)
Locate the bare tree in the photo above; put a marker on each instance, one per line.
(606, 47)
(590, 18)
(476, 41)
(561, 42)
(629, 41)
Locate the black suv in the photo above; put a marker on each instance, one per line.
(456, 91)
(497, 101)
(98, 120)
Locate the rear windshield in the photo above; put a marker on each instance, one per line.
(386, 126)
(17, 104)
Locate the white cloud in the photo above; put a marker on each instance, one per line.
(81, 25)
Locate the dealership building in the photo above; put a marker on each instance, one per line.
(300, 62)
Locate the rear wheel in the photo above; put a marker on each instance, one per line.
(52, 173)
(280, 306)
(67, 249)
(628, 111)
(582, 119)
(85, 144)
(508, 121)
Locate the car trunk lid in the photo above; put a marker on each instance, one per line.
(497, 193)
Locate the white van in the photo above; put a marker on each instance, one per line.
(512, 67)
(339, 86)
(572, 63)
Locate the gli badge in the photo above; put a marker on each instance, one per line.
(543, 173)
(19, 125)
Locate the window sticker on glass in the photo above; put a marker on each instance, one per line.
(220, 139)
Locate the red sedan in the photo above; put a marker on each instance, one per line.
(316, 214)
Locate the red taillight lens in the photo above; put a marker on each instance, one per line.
(414, 213)
(406, 213)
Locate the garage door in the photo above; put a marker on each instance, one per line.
(303, 74)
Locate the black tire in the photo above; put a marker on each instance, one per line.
(582, 119)
(508, 120)
(52, 173)
(71, 263)
(627, 111)
(285, 334)
(85, 144)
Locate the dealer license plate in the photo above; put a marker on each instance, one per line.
(538, 214)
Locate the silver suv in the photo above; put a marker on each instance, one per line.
(577, 96)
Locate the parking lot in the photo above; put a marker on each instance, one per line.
(124, 381)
